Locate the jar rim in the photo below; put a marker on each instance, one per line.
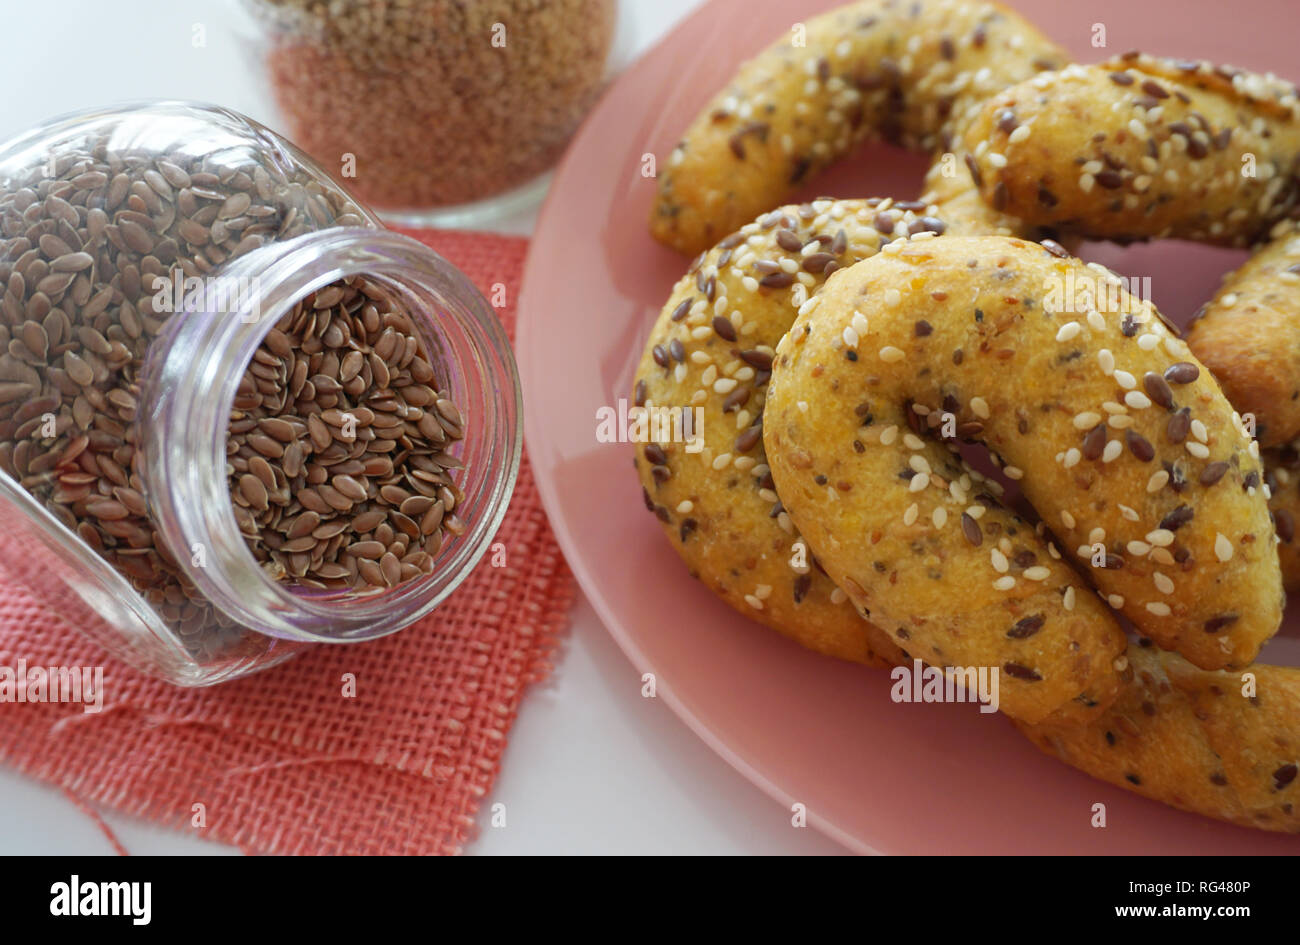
(188, 388)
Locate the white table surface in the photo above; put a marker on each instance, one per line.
(592, 767)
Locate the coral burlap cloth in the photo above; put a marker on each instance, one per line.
(281, 762)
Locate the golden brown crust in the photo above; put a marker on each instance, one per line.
(710, 348)
(1249, 336)
(1251, 720)
(904, 70)
(1140, 147)
(1282, 475)
(1191, 739)
(950, 188)
(1125, 446)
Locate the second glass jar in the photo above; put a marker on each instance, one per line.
(434, 111)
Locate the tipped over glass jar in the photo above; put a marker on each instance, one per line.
(236, 415)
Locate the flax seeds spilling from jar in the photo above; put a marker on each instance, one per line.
(82, 239)
(339, 468)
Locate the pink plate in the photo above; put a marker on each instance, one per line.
(878, 776)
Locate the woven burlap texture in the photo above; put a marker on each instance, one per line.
(282, 762)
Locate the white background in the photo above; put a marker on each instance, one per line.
(591, 766)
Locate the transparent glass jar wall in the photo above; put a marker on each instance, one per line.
(446, 112)
(116, 405)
